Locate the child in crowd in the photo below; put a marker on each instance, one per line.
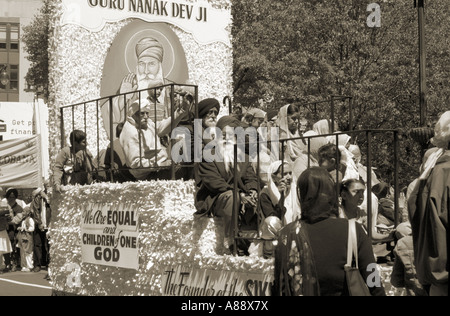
(25, 240)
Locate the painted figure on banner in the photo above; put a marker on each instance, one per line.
(148, 74)
(152, 59)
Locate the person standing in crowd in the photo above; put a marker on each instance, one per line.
(214, 195)
(362, 170)
(428, 212)
(311, 158)
(322, 127)
(208, 110)
(12, 260)
(37, 207)
(5, 243)
(271, 118)
(258, 117)
(311, 253)
(74, 164)
(25, 240)
(386, 206)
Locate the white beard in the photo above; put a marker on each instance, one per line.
(227, 150)
(149, 81)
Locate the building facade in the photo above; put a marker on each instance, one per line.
(14, 15)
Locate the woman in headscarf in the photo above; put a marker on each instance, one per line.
(322, 127)
(288, 119)
(362, 170)
(311, 253)
(301, 163)
(343, 143)
(277, 198)
(278, 203)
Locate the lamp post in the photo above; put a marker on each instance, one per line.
(4, 77)
(423, 133)
(422, 74)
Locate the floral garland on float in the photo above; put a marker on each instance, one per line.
(169, 236)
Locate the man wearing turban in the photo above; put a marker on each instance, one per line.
(215, 180)
(140, 140)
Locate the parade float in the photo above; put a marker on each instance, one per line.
(138, 238)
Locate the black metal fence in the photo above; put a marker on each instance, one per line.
(365, 139)
(186, 97)
(178, 96)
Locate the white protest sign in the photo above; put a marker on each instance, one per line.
(109, 235)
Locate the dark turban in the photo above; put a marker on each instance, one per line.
(13, 191)
(207, 104)
(380, 189)
(228, 120)
(271, 114)
(148, 46)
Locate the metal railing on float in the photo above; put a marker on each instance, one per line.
(179, 95)
(254, 234)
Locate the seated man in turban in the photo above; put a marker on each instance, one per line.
(185, 136)
(214, 195)
(140, 140)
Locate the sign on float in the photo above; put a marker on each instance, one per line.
(109, 235)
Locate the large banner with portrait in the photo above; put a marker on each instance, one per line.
(103, 48)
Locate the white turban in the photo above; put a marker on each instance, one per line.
(134, 107)
(442, 131)
(148, 46)
(440, 140)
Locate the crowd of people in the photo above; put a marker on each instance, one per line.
(24, 244)
(274, 195)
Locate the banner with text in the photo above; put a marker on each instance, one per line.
(183, 281)
(206, 23)
(109, 235)
(16, 120)
(20, 162)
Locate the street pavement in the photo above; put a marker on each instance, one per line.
(25, 284)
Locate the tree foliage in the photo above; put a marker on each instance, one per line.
(36, 38)
(292, 51)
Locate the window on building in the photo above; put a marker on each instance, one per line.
(9, 56)
(9, 36)
(14, 37)
(2, 36)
